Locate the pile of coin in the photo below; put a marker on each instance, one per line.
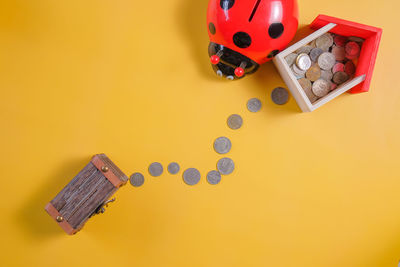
(325, 63)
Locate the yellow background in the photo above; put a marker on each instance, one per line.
(132, 79)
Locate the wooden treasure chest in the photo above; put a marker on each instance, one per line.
(87, 194)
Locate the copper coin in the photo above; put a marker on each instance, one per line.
(340, 40)
(352, 49)
(350, 68)
(338, 67)
(313, 73)
(340, 77)
(339, 53)
(356, 39)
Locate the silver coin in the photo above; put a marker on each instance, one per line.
(225, 166)
(321, 87)
(173, 168)
(155, 169)
(315, 53)
(213, 177)
(303, 61)
(326, 75)
(191, 176)
(291, 58)
(254, 105)
(136, 179)
(304, 49)
(324, 42)
(235, 121)
(298, 73)
(222, 145)
(326, 61)
(280, 96)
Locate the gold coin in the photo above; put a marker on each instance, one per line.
(306, 85)
(313, 73)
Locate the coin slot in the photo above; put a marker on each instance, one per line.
(254, 10)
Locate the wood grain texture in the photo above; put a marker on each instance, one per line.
(88, 190)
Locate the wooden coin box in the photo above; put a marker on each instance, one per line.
(366, 61)
(86, 194)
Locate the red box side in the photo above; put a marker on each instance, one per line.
(369, 50)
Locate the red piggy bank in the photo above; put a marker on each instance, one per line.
(246, 33)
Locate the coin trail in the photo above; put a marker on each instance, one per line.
(235, 121)
(191, 176)
(222, 145)
(136, 179)
(155, 169)
(225, 166)
(213, 177)
(173, 168)
(334, 58)
(254, 105)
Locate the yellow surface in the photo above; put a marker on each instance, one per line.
(132, 79)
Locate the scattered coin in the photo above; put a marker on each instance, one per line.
(326, 61)
(225, 166)
(339, 53)
(136, 179)
(280, 96)
(340, 77)
(254, 105)
(321, 87)
(306, 85)
(173, 168)
(213, 177)
(235, 121)
(326, 75)
(304, 49)
(315, 53)
(313, 44)
(303, 61)
(155, 169)
(222, 145)
(324, 42)
(313, 73)
(191, 176)
(290, 59)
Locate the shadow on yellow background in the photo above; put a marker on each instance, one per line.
(132, 79)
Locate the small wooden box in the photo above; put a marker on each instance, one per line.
(361, 81)
(86, 194)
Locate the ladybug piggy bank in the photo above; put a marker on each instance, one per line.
(246, 33)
